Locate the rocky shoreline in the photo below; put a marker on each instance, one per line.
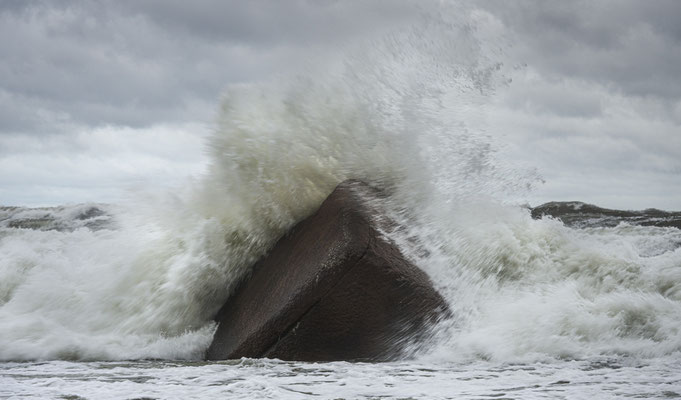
(583, 215)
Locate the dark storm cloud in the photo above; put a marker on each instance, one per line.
(633, 46)
(272, 22)
(96, 66)
(135, 63)
(597, 106)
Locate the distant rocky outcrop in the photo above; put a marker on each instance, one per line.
(578, 214)
(332, 289)
(61, 218)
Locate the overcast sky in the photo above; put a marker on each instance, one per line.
(99, 97)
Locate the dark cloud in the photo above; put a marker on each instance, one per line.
(99, 68)
(632, 46)
(140, 62)
(596, 107)
(270, 22)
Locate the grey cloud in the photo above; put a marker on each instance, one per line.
(596, 110)
(631, 45)
(92, 76)
(568, 99)
(96, 165)
(271, 22)
(140, 62)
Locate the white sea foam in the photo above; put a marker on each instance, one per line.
(405, 113)
(600, 378)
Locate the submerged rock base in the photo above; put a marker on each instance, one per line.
(332, 289)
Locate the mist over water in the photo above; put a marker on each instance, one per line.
(405, 112)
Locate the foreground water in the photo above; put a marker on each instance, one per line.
(572, 336)
(598, 378)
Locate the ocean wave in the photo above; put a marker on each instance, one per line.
(401, 112)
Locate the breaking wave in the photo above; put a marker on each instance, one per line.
(404, 112)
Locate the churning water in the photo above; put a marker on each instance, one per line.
(541, 310)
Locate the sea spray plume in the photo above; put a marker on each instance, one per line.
(396, 112)
(388, 114)
(392, 113)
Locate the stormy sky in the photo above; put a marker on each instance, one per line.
(98, 98)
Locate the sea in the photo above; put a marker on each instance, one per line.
(561, 301)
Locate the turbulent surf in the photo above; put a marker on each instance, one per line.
(405, 113)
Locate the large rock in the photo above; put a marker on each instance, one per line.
(332, 289)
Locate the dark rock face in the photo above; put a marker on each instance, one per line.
(332, 289)
(583, 215)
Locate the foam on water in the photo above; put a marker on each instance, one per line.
(602, 378)
(404, 112)
(530, 290)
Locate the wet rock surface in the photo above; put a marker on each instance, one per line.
(332, 289)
